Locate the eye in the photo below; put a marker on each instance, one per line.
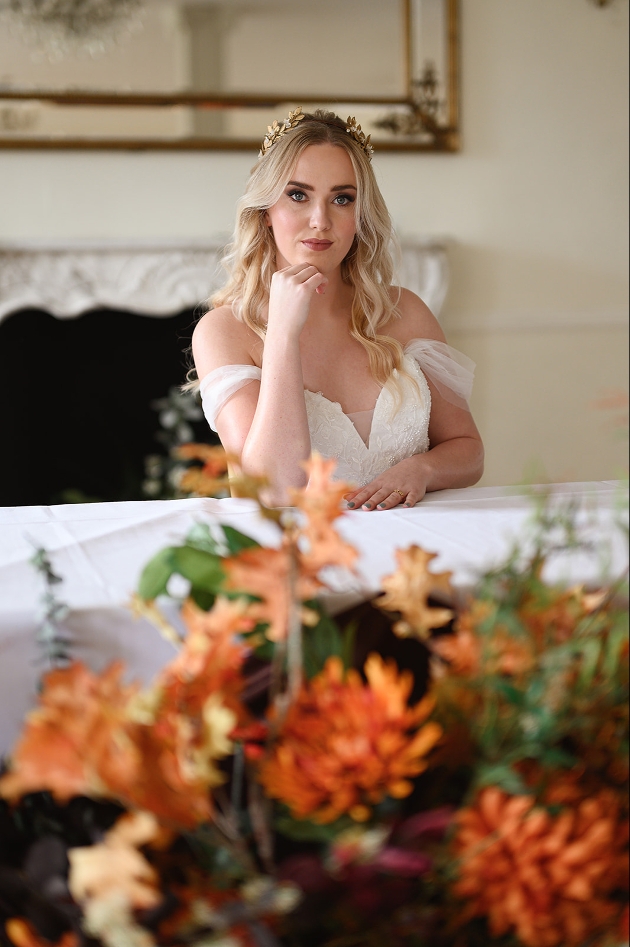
(343, 199)
(297, 196)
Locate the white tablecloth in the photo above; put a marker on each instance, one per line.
(100, 549)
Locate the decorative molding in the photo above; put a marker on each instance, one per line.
(155, 280)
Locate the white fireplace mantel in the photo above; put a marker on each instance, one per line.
(157, 279)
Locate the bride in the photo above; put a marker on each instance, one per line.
(309, 346)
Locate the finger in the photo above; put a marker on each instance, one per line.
(372, 502)
(391, 501)
(314, 277)
(412, 498)
(295, 269)
(358, 497)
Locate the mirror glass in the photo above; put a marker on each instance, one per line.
(215, 73)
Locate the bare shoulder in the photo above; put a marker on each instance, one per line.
(414, 319)
(220, 338)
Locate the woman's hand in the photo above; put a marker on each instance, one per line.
(405, 483)
(292, 290)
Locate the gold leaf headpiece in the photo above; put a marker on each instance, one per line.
(360, 137)
(278, 129)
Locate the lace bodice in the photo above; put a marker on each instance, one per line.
(394, 434)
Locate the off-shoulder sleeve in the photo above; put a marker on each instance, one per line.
(218, 386)
(450, 371)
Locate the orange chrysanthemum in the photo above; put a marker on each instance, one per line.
(345, 744)
(548, 879)
(408, 590)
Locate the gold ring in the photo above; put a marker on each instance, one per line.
(403, 495)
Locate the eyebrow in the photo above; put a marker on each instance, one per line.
(307, 187)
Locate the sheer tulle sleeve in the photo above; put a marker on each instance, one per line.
(218, 386)
(450, 371)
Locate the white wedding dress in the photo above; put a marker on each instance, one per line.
(367, 443)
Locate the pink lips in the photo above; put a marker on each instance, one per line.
(317, 244)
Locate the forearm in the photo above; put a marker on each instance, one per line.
(278, 441)
(453, 463)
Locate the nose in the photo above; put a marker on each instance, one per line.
(320, 215)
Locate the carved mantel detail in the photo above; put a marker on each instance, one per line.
(156, 279)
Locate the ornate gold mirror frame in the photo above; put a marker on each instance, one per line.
(419, 110)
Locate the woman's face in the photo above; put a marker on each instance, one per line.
(313, 222)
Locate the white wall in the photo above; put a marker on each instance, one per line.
(534, 208)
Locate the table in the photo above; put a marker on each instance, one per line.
(100, 549)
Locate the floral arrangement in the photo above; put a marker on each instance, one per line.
(427, 769)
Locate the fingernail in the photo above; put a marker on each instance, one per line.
(350, 504)
(381, 506)
(406, 504)
(367, 506)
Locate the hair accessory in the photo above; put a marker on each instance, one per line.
(276, 131)
(360, 137)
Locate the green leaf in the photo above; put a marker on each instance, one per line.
(205, 600)
(201, 538)
(302, 830)
(616, 641)
(321, 642)
(266, 650)
(591, 654)
(556, 757)
(349, 640)
(502, 776)
(507, 690)
(236, 541)
(156, 573)
(202, 569)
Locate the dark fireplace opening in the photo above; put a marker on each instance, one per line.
(76, 419)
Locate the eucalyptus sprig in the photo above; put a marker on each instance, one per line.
(52, 639)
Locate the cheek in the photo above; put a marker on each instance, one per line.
(280, 221)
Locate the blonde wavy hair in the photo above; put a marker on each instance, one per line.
(368, 267)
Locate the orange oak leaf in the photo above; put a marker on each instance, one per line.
(408, 589)
(74, 740)
(320, 502)
(267, 574)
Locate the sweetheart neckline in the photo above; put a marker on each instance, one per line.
(366, 445)
(335, 404)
